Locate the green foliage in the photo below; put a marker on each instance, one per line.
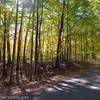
(83, 17)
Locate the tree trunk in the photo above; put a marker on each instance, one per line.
(25, 41)
(14, 43)
(75, 48)
(4, 47)
(31, 54)
(92, 47)
(37, 44)
(0, 55)
(59, 37)
(81, 46)
(19, 47)
(67, 35)
(40, 25)
(8, 51)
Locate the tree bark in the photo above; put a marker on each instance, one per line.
(59, 37)
(31, 54)
(25, 41)
(14, 43)
(4, 46)
(19, 47)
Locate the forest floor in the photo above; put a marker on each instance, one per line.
(75, 83)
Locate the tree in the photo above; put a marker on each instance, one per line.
(31, 54)
(14, 43)
(19, 46)
(4, 45)
(59, 37)
(37, 41)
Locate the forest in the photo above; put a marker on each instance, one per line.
(40, 39)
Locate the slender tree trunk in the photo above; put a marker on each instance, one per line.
(70, 47)
(25, 41)
(75, 48)
(4, 47)
(37, 44)
(92, 47)
(67, 35)
(81, 47)
(0, 55)
(31, 56)
(19, 47)
(8, 51)
(86, 46)
(59, 38)
(40, 25)
(14, 43)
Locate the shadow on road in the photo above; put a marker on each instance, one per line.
(86, 87)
